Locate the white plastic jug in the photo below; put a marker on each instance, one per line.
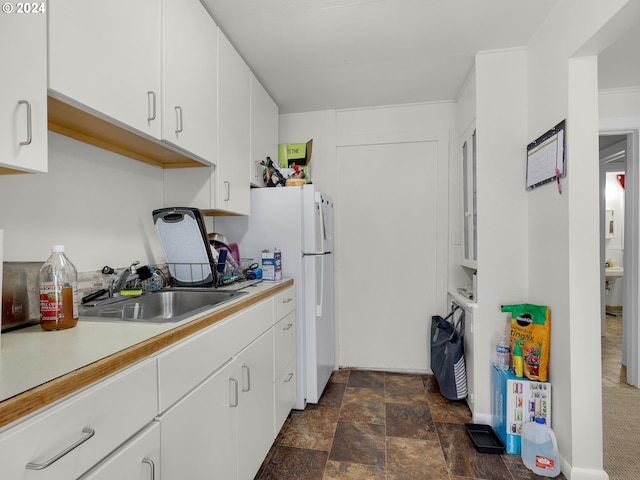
(540, 449)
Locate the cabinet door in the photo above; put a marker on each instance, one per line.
(105, 57)
(470, 217)
(138, 459)
(198, 434)
(189, 100)
(264, 131)
(23, 97)
(256, 415)
(232, 186)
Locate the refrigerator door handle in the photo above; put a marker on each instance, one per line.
(319, 301)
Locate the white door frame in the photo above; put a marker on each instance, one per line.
(631, 263)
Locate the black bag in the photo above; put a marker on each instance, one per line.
(447, 354)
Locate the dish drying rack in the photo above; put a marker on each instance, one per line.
(207, 274)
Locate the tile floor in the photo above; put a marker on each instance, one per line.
(373, 425)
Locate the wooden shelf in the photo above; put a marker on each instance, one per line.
(73, 122)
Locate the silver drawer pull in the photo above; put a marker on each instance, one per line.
(151, 105)
(248, 370)
(289, 377)
(88, 433)
(289, 325)
(179, 127)
(152, 466)
(288, 300)
(234, 402)
(29, 133)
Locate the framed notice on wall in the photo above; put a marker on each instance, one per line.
(546, 160)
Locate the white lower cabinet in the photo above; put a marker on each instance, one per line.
(138, 459)
(68, 439)
(222, 424)
(199, 433)
(255, 405)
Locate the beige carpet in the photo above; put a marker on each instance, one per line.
(620, 409)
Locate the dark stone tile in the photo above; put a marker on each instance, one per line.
(340, 376)
(404, 388)
(412, 459)
(353, 471)
(448, 411)
(410, 421)
(359, 443)
(367, 379)
(430, 384)
(310, 428)
(290, 463)
(463, 460)
(362, 405)
(332, 395)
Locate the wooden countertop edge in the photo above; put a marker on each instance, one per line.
(38, 397)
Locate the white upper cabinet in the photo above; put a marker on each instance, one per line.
(469, 199)
(105, 57)
(189, 102)
(234, 127)
(23, 97)
(264, 131)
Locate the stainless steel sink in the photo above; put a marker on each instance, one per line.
(157, 307)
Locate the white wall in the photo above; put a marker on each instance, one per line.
(503, 232)
(564, 229)
(330, 129)
(96, 203)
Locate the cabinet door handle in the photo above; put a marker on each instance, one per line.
(179, 126)
(289, 325)
(233, 403)
(151, 105)
(289, 377)
(227, 186)
(88, 433)
(152, 467)
(288, 300)
(29, 133)
(245, 368)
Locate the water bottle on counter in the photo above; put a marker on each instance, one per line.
(502, 354)
(58, 289)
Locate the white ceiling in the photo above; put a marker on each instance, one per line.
(331, 54)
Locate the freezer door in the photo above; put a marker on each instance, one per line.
(319, 320)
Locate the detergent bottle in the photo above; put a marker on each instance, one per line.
(518, 365)
(540, 449)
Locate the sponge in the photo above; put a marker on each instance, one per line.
(131, 291)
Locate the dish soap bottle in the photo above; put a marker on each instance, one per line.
(58, 289)
(518, 365)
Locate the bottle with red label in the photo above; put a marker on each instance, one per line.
(58, 289)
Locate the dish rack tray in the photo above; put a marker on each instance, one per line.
(208, 274)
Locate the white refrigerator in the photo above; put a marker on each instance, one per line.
(298, 221)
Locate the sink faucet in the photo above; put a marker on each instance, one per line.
(119, 281)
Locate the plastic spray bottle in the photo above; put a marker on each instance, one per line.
(518, 365)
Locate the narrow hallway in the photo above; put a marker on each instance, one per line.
(620, 408)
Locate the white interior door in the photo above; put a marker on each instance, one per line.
(387, 221)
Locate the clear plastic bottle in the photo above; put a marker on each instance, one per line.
(539, 449)
(502, 354)
(58, 289)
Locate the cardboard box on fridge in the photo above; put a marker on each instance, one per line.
(517, 401)
(290, 154)
(271, 265)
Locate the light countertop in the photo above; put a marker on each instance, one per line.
(39, 367)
